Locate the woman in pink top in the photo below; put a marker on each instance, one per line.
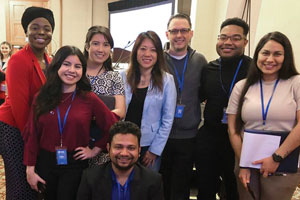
(267, 105)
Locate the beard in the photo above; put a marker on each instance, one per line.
(123, 168)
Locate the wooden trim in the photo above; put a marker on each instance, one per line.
(7, 21)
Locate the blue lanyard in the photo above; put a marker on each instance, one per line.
(46, 61)
(234, 77)
(62, 126)
(180, 81)
(93, 79)
(265, 113)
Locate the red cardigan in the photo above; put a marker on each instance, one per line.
(43, 133)
(24, 77)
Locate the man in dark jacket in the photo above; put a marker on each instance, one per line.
(122, 178)
(186, 66)
(214, 154)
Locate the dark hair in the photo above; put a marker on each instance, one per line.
(106, 33)
(180, 16)
(238, 22)
(287, 70)
(9, 45)
(134, 75)
(124, 127)
(50, 94)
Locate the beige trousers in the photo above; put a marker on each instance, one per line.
(271, 188)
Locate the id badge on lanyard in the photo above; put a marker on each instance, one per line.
(180, 107)
(61, 151)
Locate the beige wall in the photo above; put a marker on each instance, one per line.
(207, 16)
(283, 16)
(2, 21)
(266, 16)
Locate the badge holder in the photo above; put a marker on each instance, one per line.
(225, 117)
(179, 110)
(61, 154)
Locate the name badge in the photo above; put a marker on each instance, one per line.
(3, 87)
(225, 117)
(179, 111)
(61, 156)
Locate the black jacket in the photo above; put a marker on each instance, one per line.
(96, 184)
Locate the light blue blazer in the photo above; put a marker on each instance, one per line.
(158, 113)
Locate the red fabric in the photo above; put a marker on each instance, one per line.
(2, 93)
(24, 77)
(44, 133)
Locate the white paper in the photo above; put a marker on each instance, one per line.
(256, 147)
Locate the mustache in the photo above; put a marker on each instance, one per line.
(126, 157)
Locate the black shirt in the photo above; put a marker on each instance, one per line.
(212, 91)
(136, 106)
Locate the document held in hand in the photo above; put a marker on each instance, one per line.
(261, 144)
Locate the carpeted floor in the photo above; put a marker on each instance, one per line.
(2, 184)
(2, 180)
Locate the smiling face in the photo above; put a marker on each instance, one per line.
(146, 55)
(98, 49)
(39, 33)
(179, 35)
(231, 42)
(70, 73)
(123, 151)
(270, 59)
(5, 50)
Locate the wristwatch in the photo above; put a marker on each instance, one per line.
(276, 157)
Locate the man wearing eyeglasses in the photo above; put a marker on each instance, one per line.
(214, 154)
(186, 66)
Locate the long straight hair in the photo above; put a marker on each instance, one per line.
(50, 94)
(159, 68)
(287, 70)
(10, 47)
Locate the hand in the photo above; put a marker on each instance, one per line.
(33, 178)
(86, 153)
(244, 176)
(149, 159)
(268, 166)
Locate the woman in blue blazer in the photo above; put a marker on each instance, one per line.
(150, 96)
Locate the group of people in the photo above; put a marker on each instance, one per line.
(53, 105)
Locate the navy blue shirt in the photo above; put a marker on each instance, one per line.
(120, 192)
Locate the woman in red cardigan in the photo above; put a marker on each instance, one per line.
(57, 134)
(24, 77)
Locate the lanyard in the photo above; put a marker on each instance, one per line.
(265, 113)
(94, 78)
(61, 126)
(46, 61)
(180, 81)
(234, 77)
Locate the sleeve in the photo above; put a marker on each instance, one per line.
(202, 94)
(118, 87)
(104, 119)
(296, 90)
(18, 88)
(30, 137)
(234, 97)
(84, 192)
(167, 117)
